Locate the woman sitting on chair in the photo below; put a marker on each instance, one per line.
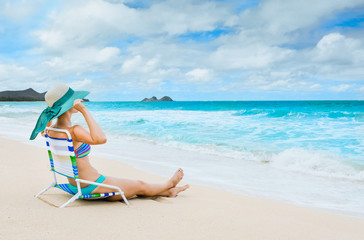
(62, 102)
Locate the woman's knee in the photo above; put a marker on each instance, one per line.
(142, 187)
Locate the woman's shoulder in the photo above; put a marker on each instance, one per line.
(74, 130)
(78, 132)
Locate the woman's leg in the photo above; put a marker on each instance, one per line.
(137, 187)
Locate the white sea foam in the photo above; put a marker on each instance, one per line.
(296, 183)
(7, 108)
(317, 163)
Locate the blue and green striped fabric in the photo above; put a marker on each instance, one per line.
(65, 188)
(83, 150)
(62, 156)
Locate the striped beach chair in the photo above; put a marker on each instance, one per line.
(63, 161)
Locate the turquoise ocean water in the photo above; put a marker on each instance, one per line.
(303, 152)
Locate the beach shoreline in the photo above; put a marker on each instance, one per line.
(199, 213)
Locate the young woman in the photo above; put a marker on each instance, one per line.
(62, 102)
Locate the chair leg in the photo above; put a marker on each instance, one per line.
(123, 196)
(71, 200)
(46, 189)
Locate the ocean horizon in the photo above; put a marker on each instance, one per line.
(307, 152)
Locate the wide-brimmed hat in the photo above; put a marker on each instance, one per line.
(59, 99)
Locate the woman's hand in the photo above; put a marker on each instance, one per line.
(78, 105)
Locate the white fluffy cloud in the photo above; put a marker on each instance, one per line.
(199, 75)
(85, 83)
(84, 59)
(244, 54)
(97, 22)
(137, 64)
(8, 71)
(340, 88)
(19, 10)
(337, 48)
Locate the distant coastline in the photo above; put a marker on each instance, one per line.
(22, 95)
(27, 95)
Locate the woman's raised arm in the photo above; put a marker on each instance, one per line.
(96, 135)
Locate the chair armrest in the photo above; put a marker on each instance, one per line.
(99, 184)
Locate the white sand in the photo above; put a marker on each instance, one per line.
(198, 213)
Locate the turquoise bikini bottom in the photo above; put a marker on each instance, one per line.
(87, 190)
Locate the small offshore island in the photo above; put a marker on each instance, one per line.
(154, 99)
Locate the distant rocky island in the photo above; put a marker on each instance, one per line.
(28, 95)
(154, 99)
(23, 95)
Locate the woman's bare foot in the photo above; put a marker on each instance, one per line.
(176, 178)
(173, 192)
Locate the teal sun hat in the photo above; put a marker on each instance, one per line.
(59, 100)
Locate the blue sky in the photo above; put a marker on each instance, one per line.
(189, 50)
